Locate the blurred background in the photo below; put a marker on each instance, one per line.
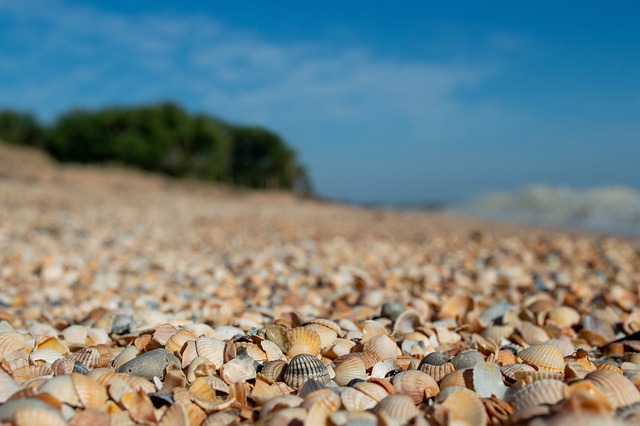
(504, 110)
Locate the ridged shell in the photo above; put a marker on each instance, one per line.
(272, 350)
(304, 367)
(283, 401)
(381, 346)
(458, 378)
(8, 386)
(177, 341)
(498, 332)
(30, 371)
(90, 393)
(352, 368)
(415, 384)
(304, 341)
(368, 359)
(455, 307)
(459, 404)
(487, 381)
(619, 390)
(38, 416)
(45, 355)
(355, 400)
(340, 347)
(327, 335)
(532, 334)
(545, 357)
(407, 322)
(399, 407)
(538, 393)
(437, 371)
(494, 312)
(63, 389)
(273, 371)
(322, 402)
(9, 342)
(51, 343)
(93, 356)
(75, 334)
(287, 416)
(564, 316)
(163, 333)
(127, 354)
(62, 366)
(212, 349)
(175, 415)
(509, 371)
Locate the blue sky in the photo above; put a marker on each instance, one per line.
(384, 102)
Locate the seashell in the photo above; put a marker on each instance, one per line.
(50, 343)
(436, 371)
(127, 354)
(195, 414)
(458, 378)
(619, 390)
(163, 332)
(509, 371)
(139, 406)
(277, 334)
(310, 386)
(340, 347)
(531, 376)
(48, 356)
(118, 388)
(498, 410)
(382, 368)
(189, 353)
(355, 418)
(173, 377)
(287, 416)
(493, 313)
(253, 350)
(303, 341)
(538, 393)
(321, 402)
(487, 381)
(91, 417)
(38, 416)
(93, 356)
(212, 349)
(90, 393)
(75, 334)
(9, 342)
(177, 341)
(407, 322)
(349, 369)
(505, 357)
(272, 351)
(221, 418)
(381, 346)
(176, 415)
(400, 407)
(304, 367)
(238, 370)
(459, 404)
(62, 366)
(355, 400)
(564, 316)
(413, 348)
(498, 332)
(532, 334)
(63, 389)
(456, 307)
(282, 401)
(416, 384)
(273, 371)
(543, 356)
(375, 390)
(600, 326)
(368, 359)
(8, 386)
(611, 367)
(466, 359)
(200, 367)
(564, 344)
(372, 328)
(30, 371)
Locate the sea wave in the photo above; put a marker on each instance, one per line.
(614, 209)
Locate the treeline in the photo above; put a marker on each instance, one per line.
(164, 138)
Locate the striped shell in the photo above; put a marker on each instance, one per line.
(304, 367)
(544, 357)
(459, 404)
(212, 349)
(368, 359)
(177, 341)
(381, 346)
(355, 400)
(538, 393)
(352, 368)
(619, 390)
(304, 341)
(399, 407)
(415, 384)
(438, 372)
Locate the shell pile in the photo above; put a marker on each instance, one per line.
(130, 299)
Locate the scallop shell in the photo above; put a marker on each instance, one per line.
(487, 381)
(140, 407)
(177, 341)
(564, 316)
(459, 404)
(62, 366)
(543, 356)
(416, 384)
(212, 349)
(619, 390)
(532, 334)
(538, 393)
(9, 342)
(75, 334)
(283, 401)
(493, 313)
(304, 341)
(321, 402)
(381, 346)
(498, 332)
(163, 332)
(407, 322)
(38, 416)
(287, 416)
(355, 400)
(48, 356)
(8, 386)
(272, 350)
(368, 359)
(63, 389)
(400, 407)
(456, 307)
(437, 371)
(273, 371)
(304, 367)
(127, 354)
(371, 328)
(90, 393)
(176, 415)
(93, 356)
(352, 368)
(30, 371)
(509, 371)
(51, 343)
(375, 390)
(327, 335)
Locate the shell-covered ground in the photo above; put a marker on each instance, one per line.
(127, 298)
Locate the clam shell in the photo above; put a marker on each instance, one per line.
(63, 389)
(62, 366)
(368, 359)
(48, 342)
(381, 346)
(322, 402)
(438, 372)
(493, 313)
(375, 390)
(273, 371)
(400, 407)
(487, 381)
(619, 390)
(538, 393)
(177, 341)
(407, 322)
(327, 335)
(9, 342)
(456, 307)
(75, 334)
(176, 415)
(338, 348)
(355, 400)
(163, 333)
(498, 332)
(8, 386)
(287, 416)
(543, 356)
(38, 416)
(93, 356)
(349, 369)
(272, 350)
(532, 334)
(48, 356)
(509, 371)
(415, 384)
(212, 349)
(139, 406)
(460, 404)
(304, 341)
(30, 371)
(458, 378)
(90, 393)
(564, 316)
(127, 354)
(288, 401)
(304, 367)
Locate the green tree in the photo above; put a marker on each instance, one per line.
(20, 128)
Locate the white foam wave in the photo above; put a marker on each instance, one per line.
(608, 209)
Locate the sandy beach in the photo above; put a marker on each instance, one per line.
(93, 261)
